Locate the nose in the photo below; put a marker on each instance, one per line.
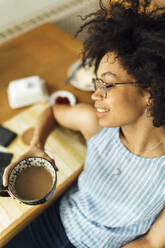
(98, 95)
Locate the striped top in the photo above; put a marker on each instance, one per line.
(117, 196)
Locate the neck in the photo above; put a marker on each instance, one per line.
(144, 137)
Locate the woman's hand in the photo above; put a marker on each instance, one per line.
(34, 151)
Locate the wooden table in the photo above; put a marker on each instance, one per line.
(48, 52)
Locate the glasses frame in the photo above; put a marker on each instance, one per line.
(100, 84)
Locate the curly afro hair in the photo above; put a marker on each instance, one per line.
(135, 31)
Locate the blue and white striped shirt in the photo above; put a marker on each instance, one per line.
(117, 197)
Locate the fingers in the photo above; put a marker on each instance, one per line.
(39, 152)
(6, 173)
(8, 169)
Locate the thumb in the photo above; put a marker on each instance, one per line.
(6, 174)
(9, 168)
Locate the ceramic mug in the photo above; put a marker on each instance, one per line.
(42, 173)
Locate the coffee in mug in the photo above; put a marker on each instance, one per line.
(32, 180)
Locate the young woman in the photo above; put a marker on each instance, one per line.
(121, 191)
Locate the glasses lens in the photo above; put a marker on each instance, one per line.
(99, 84)
(94, 83)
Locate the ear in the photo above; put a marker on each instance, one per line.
(146, 93)
(148, 103)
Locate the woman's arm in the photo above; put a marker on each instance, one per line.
(155, 238)
(81, 117)
(156, 235)
(140, 243)
(45, 124)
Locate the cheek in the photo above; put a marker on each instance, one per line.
(122, 111)
(118, 103)
(126, 103)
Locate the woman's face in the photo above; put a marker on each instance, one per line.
(125, 104)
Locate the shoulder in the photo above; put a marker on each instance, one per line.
(81, 117)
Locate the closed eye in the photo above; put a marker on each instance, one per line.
(110, 85)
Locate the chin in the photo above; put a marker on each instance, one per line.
(105, 123)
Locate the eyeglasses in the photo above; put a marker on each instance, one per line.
(102, 86)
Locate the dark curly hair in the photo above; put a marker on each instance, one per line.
(135, 31)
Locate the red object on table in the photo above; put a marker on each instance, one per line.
(62, 100)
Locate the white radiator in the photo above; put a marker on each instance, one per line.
(63, 13)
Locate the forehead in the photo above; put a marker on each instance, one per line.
(110, 67)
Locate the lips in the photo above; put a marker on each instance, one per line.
(102, 110)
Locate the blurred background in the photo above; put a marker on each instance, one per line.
(19, 16)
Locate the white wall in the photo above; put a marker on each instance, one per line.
(19, 16)
(14, 11)
(71, 23)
